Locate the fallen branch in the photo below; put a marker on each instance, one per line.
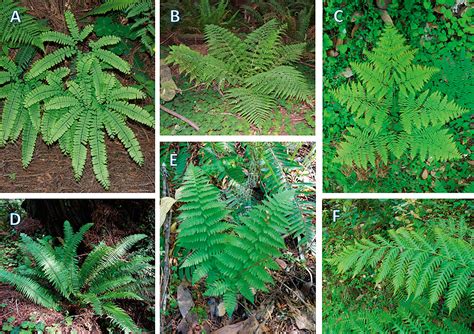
(181, 117)
(166, 264)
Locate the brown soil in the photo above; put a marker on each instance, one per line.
(24, 310)
(51, 171)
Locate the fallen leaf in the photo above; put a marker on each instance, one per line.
(281, 263)
(165, 206)
(385, 17)
(221, 309)
(185, 300)
(243, 327)
(424, 175)
(347, 73)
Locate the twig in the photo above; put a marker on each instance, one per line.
(181, 117)
(166, 264)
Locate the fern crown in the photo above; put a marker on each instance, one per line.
(107, 274)
(255, 72)
(393, 114)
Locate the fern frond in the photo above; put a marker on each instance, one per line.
(254, 107)
(98, 152)
(225, 46)
(113, 60)
(432, 141)
(58, 38)
(281, 82)
(49, 61)
(415, 262)
(112, 5)
(30, 289)
(289, 53)
(262, 46)
(119, 317)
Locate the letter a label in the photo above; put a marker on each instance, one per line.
(15, 17)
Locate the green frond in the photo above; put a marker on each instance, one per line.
(58, 38)
(132, 111)
(262, 46)
(289, 53)
(52, 267)
(113, 60)
(119, 317)
(30, 134)
(282, 82)
(434, 142)
(30, 289)
(125, 135)
(98, 152)
(72, 25)
(415, 262)
(104, 41)
(254, 107)
(113, 5)
(49, 61)
(226, 46)
(16, 34)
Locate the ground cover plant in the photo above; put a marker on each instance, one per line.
(415, 137)
(234, 215)
(69, 86)
(81, 280)
(398, 266)
(237, 71)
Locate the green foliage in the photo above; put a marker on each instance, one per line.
(59, 279)
(436, 264)
(94, 103)
(254, 73)
(392, 116)
(16, 118)
(142, 15)
(398, 266)
(234, 258)
(16, 34)
(70, 46)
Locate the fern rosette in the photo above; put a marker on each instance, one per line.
(393, 114)
(60, 281)
(254, 73)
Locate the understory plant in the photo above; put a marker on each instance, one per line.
(253, 74)
(56, 277)
(234, 258)
(429, 271)
(75, 105)
(393, 114)
(141, 13)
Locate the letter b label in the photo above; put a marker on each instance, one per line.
(175, 16)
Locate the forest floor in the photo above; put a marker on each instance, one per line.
(51, 171)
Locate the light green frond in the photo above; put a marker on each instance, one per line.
(104, 41)
(254, 107)
(119, 317)
(281, 82)
(98, 152)
(113, 60)
(58, 38)
(49, 61)
(226, 46)
(434, 142)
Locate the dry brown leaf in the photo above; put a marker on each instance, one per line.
(424, 175)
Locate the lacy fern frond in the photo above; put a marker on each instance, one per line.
(409, 317)
(436, 265)
(253, 72)
(389, 94)
(233, 258)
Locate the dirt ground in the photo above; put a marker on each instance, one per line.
(51, 171)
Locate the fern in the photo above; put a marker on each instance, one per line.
(71, 47)
(107, 274)
(435, 264)
(409, 317)
(254, 72)
(393, 115)
(142, 15)
(80, 106)
(233, 258)
(15, 34)
(17, 119)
